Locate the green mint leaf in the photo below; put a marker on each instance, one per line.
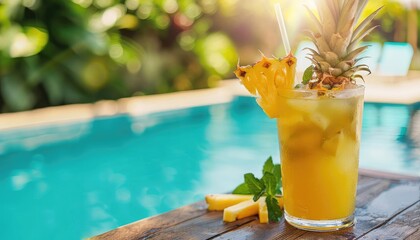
(270, 183)
(242, 189)
(277, 175)
(268, 165)
(299, 85)
(274, 211)
(307, 74)
(255, 185)
(258, 195)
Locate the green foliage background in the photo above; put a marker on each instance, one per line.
(55, 52)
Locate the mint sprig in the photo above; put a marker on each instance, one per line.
(268, 185)
(255, 185)
(242, 189)
(274, 211)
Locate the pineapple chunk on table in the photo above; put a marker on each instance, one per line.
(241, 210)
(237, 206)
(262, 211)
(219, 202)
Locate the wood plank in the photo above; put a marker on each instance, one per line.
(283, 230)
(374, 208)
(145, 227)
(402, 226)
(414, 236)
(387, 175)
(378, 201)
(372, 188)
(256, 230)
(203, 227)
(363, 179)
(372, 191)
(365, 183)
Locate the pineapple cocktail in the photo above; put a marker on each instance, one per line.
(319, 135)
(319, 120)
(319, 141)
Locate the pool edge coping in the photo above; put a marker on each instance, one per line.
(133, 106)
(378, 92)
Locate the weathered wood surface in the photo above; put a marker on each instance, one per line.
(388, 207)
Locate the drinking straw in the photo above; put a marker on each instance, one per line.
(282, 26)
(283, 32)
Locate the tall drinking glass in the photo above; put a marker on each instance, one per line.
(319, 135)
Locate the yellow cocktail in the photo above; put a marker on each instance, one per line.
(319, 133)
(319, 137)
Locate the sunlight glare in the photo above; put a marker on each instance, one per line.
(83, 3)
(132, 4)
(111, 15)
(115, 51)
(170, 6)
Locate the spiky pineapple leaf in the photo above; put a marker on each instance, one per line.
(358, 76)
(346, 20)
(353, 54)
(307, 75)
(336, 35)
(313, 52)
(360, 7)
(335, 8)
(314, 62)
(365, 22)
(327, 16)
(314, 19)
(359, 37)
(366, 69)
(363, 65)
(332, 58)
(338, 45)
(321, 44)
(361, 58)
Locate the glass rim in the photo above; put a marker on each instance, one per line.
(358, 88)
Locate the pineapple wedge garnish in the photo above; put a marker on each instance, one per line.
(218, 202)
(265, 78)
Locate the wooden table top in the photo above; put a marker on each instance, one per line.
(388, 207)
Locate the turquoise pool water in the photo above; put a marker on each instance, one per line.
(80, 179)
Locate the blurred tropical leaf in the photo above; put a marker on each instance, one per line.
(217, 53)
(17, 95)
(23, 41)
(54, 86)
(55, 52)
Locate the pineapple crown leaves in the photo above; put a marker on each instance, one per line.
(336, 36)
(336, 24)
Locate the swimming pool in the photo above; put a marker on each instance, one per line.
(80, 179)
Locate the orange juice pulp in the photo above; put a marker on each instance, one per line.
(319, 140)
